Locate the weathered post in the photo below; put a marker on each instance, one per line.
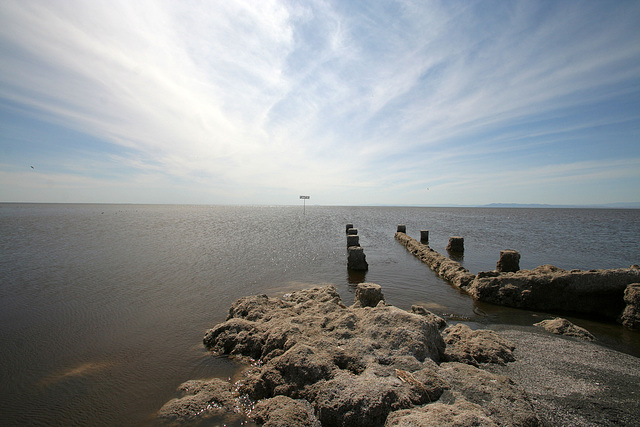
(509, 261)
(348, 227)
(424, 236)
(456, 244)
(368, 295)
(352, 231)
(356, 259)
(402, 228)
(353, 240)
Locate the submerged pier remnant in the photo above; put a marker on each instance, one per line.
(509, 261)
(444, 267)
(612, 294)
(356, 259)
(456, 244)
(353, 240)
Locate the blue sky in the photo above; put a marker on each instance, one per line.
(350, 102)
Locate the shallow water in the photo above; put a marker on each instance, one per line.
(103, 307)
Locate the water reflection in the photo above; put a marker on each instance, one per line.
(356, 276)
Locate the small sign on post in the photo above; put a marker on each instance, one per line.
(304, 204)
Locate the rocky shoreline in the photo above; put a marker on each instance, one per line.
(313, 361)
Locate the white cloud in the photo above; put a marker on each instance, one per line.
(276, 96)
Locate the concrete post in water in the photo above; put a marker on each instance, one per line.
(402, 228)
(348, 227)
(352, 231)
(356, 260)
(456, 244)
(424, 236)
(509, 261)
(353, 240)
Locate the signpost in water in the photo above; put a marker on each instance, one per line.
(304, 204)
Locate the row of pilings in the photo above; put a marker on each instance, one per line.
(447, 268)
(613, 294)
(444, 267)
(356, 259)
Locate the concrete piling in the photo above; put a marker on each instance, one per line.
(509, 261)
(424, 236)
(402, 228)
(356, 259)
(456, 244)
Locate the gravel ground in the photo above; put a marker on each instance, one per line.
(573, 382)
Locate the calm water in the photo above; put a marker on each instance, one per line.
(103, 307)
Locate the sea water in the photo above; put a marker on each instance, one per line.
(103, 307)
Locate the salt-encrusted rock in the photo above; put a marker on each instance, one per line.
(282, 411)
(562, 326)
(456, 411)
(505, 403)
(417, 309)
(310, 338)
(509, 261)
(368, 295)
(366, 400)
(290, 374)
(317, 361)
(444, 267)
(473, 347)
(548, 288)
(236, 336)
(200, 399)
(631, 315)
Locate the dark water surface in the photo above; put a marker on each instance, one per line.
(103, 307)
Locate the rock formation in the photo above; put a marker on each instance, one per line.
(548, 288)
(475, 347)
(417, 309)
(560, 326)
(631, 315)
(317, 362)
(213, 397)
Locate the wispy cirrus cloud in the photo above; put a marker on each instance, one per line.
(264, 100)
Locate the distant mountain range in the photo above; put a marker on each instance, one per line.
(622, 205)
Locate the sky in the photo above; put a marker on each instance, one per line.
(349, 102)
